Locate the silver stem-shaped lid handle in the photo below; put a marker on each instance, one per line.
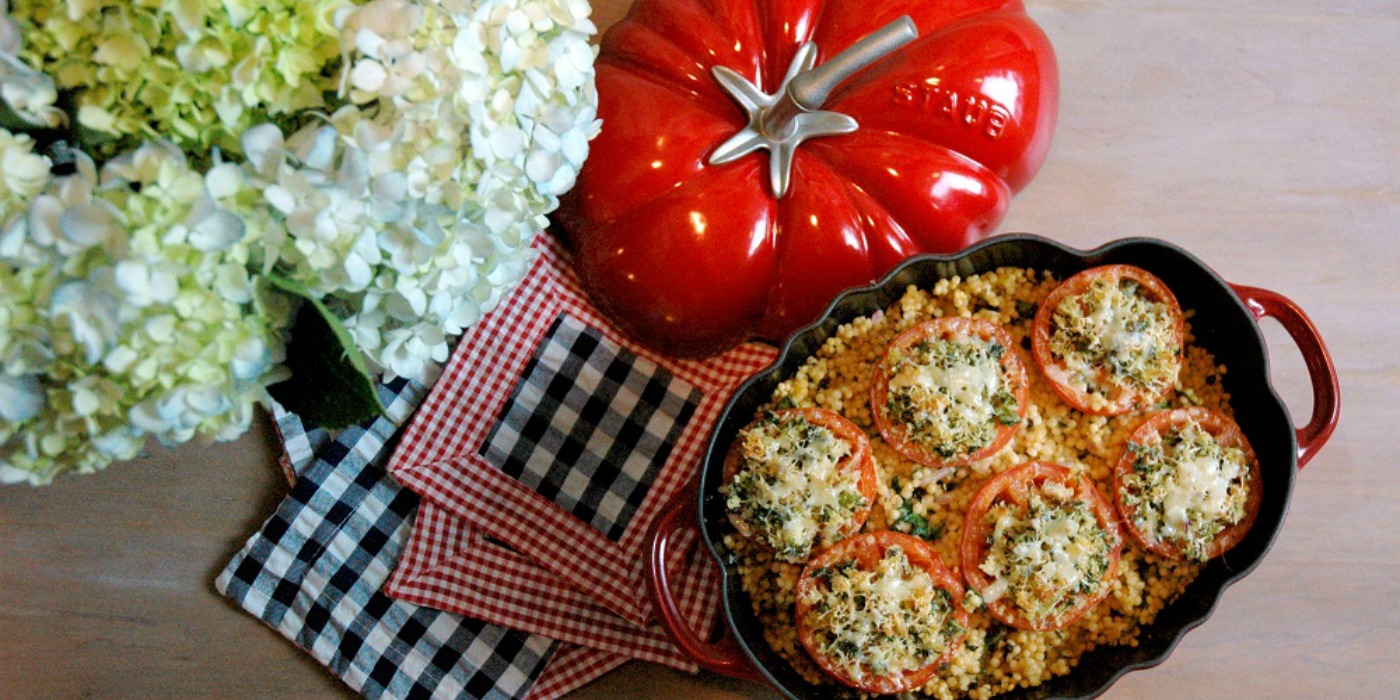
(781, 121)
(811, 89)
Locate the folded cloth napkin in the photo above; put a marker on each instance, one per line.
(544, 454)
(451, 566)
(315, 569)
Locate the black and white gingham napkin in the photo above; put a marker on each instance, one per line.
(589, 425)
(315, 569)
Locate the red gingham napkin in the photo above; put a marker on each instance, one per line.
(450, 566)
(544, 453)
(424, 580)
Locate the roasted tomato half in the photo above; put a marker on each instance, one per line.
(949, 391)
(1187, 484)
(1040, 545)
(798, 480)
(1110, 340)
(880, 612)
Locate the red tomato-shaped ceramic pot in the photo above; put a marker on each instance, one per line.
(757, 157)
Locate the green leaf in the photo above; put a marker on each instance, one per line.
(918, 525)
(12, 122)
(331, 384)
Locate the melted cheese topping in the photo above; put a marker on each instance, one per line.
(1046, 557)
(789, 490)
(1187, 489)
(882, 622)
(1111, 339)
(950, 394)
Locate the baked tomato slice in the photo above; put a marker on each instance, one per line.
(1187, 485)
(1110, 340)
(880, 612)
(799, 479)
(949, 391)
(1040, 545)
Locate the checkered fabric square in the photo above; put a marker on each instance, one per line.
(519, 443)
(589, 424)
(300, 442)
(315, 569)
(450, 565)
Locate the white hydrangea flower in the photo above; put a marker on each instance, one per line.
(84, 312)
(23, 173)
(21, 397)
(387, 62)
(412, 209)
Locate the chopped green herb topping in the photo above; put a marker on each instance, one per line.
(951, 395)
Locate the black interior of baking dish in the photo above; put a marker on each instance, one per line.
(1221, 324)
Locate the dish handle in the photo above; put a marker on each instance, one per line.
(1326, 387)
(723, 655)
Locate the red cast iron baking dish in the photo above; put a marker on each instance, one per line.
(1226, 323)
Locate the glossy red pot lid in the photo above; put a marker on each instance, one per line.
(692, 257)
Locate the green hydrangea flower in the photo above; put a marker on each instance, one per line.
(395, 158)
(146, 321)
(23, 174)
(196, 72)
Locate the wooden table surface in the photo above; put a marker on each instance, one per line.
(1262, 135)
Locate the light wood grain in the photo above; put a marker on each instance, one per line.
(1262, 136)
